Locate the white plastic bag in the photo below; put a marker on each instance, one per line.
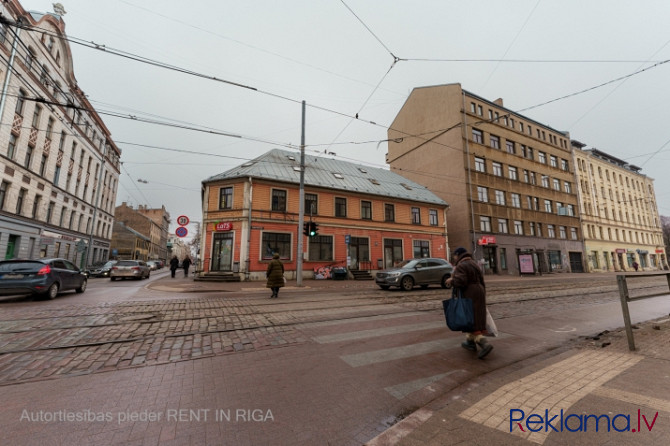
(491, 328)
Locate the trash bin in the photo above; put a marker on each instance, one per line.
(339, 273)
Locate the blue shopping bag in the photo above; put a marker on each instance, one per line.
(459, 312)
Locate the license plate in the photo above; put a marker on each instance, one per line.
(12, 276)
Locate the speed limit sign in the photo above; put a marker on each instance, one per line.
(182, 220)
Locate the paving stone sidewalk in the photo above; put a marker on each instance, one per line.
(596, 376)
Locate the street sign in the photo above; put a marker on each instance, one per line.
(347, 239)
(181, 231)
(182, 220)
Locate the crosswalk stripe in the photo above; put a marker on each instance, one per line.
(364, 334)
(356, 320)
(401, 390)
(405, 351)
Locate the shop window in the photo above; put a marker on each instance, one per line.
(276, 242)
(321, 248)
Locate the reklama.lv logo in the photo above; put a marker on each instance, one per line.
(577, 422)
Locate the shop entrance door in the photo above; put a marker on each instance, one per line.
(392, 252)
(222, 252)
(11, 247)
(359, 253)
(491, 259)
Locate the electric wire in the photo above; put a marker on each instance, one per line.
(495, 68)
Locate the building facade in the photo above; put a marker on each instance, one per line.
(368, 218)
(129, 244)
(620, 219)
(162, 219)
(154, 231)
(509, 179)
(59, 167)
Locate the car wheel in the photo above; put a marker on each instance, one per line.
(82, 288)
(407, 283)
(384, 287)
(443, 282)
(52, 292)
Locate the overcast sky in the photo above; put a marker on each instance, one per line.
(336, 56)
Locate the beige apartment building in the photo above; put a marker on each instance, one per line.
(59, 168)
(620, 220)
(509, 180)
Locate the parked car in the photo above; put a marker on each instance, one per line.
(136, 269)
(102, 270)
(413, 272)
(42, 277)
(153, 265)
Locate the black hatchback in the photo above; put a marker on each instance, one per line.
(42, 277)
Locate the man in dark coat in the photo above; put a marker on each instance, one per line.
(174, 264)
(275, 275)
(186, 264)
(469, 278)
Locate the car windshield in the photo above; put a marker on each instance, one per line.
(109, 264)
(411, 263)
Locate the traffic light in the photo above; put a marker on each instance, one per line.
(307, 228)
(314, 230)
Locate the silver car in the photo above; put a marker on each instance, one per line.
(135, 269)
(413, 272)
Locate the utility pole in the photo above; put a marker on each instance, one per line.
(301, 212)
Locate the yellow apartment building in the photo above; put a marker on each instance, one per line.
(620, 219)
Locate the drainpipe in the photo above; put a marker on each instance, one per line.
(446, 234)
(247, 273)
(467, 152)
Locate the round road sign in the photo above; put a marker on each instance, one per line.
(181, 231)
(182, 220)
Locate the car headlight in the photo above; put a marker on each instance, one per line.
(394, 274)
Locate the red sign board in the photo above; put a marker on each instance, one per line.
(620, 251)
(487, 240)
(182, 220)
(223, 226)
(181, 231)
(659, 251)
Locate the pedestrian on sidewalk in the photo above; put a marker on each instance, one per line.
(186, 263)
(275, 275)
(468, 277)
(636, 266)
(174, 264)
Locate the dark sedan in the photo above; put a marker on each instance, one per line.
(102, 270)
(42, 277)
(413, 272)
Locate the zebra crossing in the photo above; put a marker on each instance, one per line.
(413, 340)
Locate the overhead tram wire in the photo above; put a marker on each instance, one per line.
(253, 47)
(597, 104)
(511, 43)
(325, 109)
(167, 66)
(374, 90)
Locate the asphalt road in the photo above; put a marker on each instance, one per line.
(335, 366)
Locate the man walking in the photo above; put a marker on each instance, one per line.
(174, 264)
